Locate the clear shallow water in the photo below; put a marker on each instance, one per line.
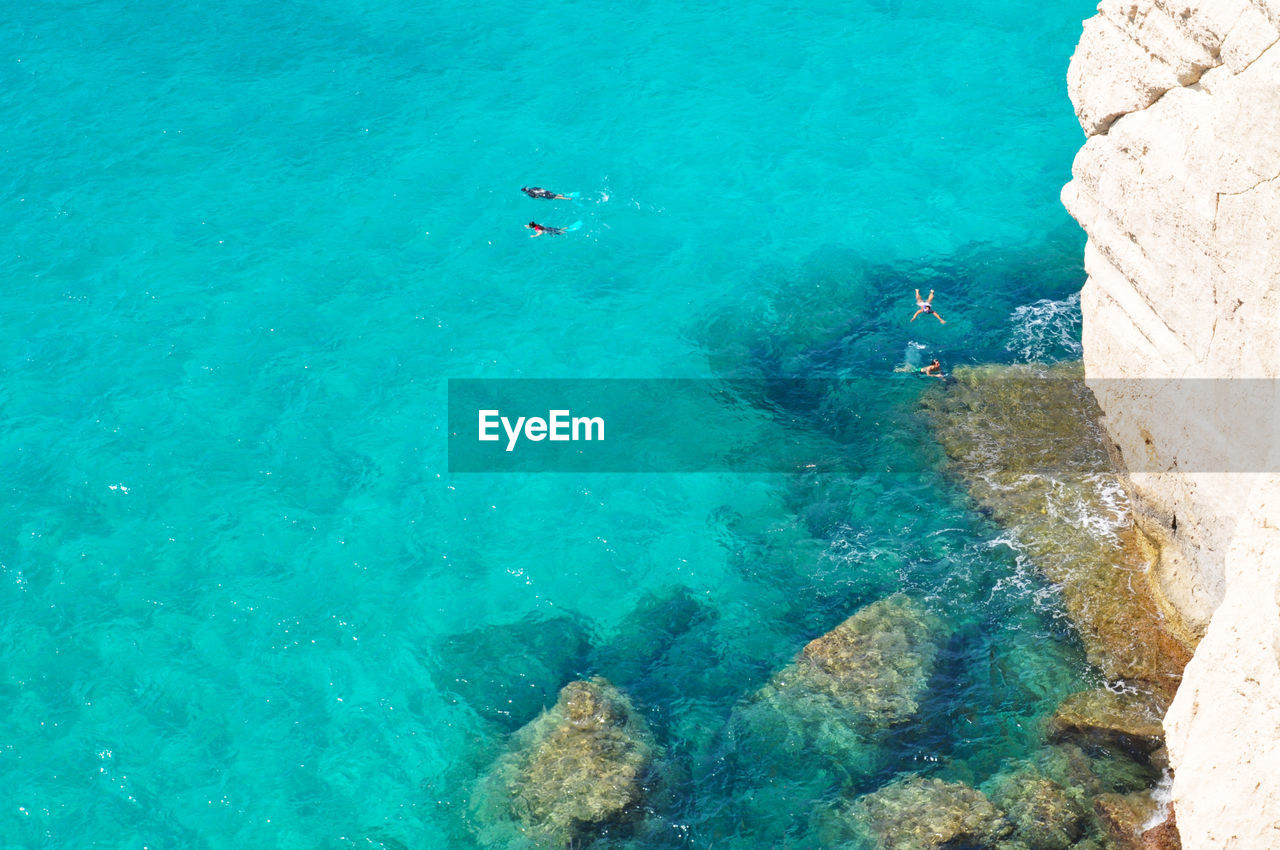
(247, 243)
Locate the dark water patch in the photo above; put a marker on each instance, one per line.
(789, 312)
(666, 655)
(774, 811)
(507, 674)
(990, 695)
(816, 584)
(646, 634)
(898, 513)
(839, 313)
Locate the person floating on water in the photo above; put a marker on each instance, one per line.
(926, 306)
(933, 369)
(538, 192)
(539, 229)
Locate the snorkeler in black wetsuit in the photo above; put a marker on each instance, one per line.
(539, 229)
(537, 192)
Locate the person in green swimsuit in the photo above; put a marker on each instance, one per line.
(934, 369)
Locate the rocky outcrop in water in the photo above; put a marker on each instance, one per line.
(928, 814)
(873, 666)
(1045, 814)
(1178, 188)
(1025, 443)
(1130, 721)
(845, 688)
(580, 766)
(1087, 804)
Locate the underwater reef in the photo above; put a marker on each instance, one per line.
(579, 766)
(843, 693)
(1025, 441)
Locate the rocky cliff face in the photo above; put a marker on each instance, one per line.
(1178, 188)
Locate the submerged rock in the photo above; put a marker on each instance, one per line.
(845, 689)
(1123, 816)
(1026, 442)
(928, 814)
(802, 311)
(873, 667)
(1129, 721)
(831, 719)
(1095, 770)
(1045, 815)
(579, 766)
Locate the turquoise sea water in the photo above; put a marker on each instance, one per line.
(243, 603)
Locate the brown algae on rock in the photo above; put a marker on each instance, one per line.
(874, 665)
(920, 814)
(581, 765)
(1129, 721)
(1123, 815)
(1045, 814)
(1021, 808)
(1026, 443)
(844, 689)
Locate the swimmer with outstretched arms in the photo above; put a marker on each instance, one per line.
(539, 229)
(926, 306)
(538, 192)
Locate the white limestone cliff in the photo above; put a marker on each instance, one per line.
(1178, 188)
(1224, 727)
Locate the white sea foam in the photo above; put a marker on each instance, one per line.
(1026, 580)
(1046, 331)
(1163, 794)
